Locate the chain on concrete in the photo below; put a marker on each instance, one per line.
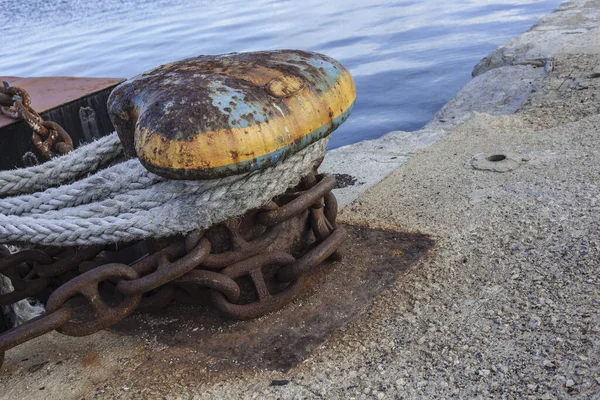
(179, 268)
(176, 268)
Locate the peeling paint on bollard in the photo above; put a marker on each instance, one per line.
(214, 116)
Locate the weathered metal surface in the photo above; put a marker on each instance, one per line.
(213, 116)
(92, 288)
(77, 104)
(49, 138)
(48, 93)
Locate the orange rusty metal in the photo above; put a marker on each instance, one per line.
(51, 92)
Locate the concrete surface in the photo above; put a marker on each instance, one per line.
(502, 82)
(507, 305)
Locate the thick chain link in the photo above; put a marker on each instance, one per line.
(88, 293)
(49, 138)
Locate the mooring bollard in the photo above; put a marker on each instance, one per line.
(214, 116)
(246, 133)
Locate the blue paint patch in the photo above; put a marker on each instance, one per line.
(280, 154)
(222, 95)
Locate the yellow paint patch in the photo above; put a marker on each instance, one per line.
(309, 111)
(285, 86)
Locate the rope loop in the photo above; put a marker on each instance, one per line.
(125, 202)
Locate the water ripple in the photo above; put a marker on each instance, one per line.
(408, 57)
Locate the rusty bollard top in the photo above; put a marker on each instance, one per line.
(213, 116)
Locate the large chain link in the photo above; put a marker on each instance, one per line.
(234, 263)
(49, 138)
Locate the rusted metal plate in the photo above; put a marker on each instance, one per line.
(76, 104)
(200, 344)
(51, 92)
(213, 116)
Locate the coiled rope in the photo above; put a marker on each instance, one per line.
(90, 196)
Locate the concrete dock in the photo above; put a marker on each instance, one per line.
(506, 179)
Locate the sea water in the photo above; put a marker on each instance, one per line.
(408, 57)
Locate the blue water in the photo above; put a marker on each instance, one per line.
(408, 57)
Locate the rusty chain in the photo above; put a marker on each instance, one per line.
(247, 267)
(49, 138)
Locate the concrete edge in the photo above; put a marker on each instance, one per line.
(501, 83)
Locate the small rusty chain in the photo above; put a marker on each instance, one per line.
(239, 264)
(49, 138)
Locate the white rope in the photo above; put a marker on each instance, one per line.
(126, 176)
(83, 161)
(125, 202)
